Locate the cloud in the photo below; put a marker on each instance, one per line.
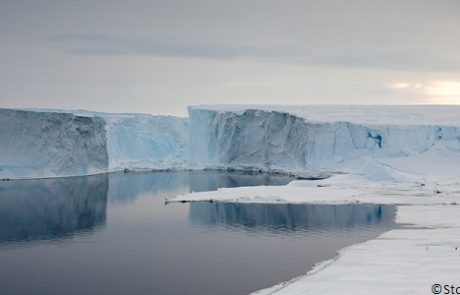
(405, 85)
(100, 44)
(103, 45)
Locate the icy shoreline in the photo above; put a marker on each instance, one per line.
(407, 260)
(401, 261)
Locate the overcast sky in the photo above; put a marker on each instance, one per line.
(160, 56)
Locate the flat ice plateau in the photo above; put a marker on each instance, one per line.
(403, 155)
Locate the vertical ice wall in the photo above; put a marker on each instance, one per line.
(48, 144)
(252, 140)
(139, 142)
(273, 140)
(36, 144)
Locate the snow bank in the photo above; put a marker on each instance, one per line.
(50, 144)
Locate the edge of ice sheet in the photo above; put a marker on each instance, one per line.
(266, 138)
(360, 114)
(408, 260)
(308, 138)
(339, 189)
(58, 143)
(400, 261)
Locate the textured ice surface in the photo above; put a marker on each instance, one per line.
(47, 144)
(370, 140)
(44, 143)
(317, 138)
(139, 142)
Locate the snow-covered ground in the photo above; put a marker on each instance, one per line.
(401, 261)
(357, 114)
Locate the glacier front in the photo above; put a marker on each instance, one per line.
(50, 144)
(56, 143)
(320, 138)
(377, 141)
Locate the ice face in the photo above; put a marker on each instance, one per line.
(275, 140)
(252, 140)
(297, 139)
(139, 142)
(36, 144)
(49, 144)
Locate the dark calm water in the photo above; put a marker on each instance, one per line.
(113, 234)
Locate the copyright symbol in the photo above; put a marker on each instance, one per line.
(436, 289)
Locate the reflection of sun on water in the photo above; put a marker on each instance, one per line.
(443, 92)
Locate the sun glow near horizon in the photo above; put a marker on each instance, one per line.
(432, 92)
(443, 92)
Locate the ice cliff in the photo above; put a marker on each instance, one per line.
(143, 142)
(366, 139)
(45, 143)
(319, 138)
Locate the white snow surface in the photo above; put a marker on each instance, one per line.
(357, 114)
(401, 261)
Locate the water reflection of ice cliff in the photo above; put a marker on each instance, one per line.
(289, 216)
(51, 208)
